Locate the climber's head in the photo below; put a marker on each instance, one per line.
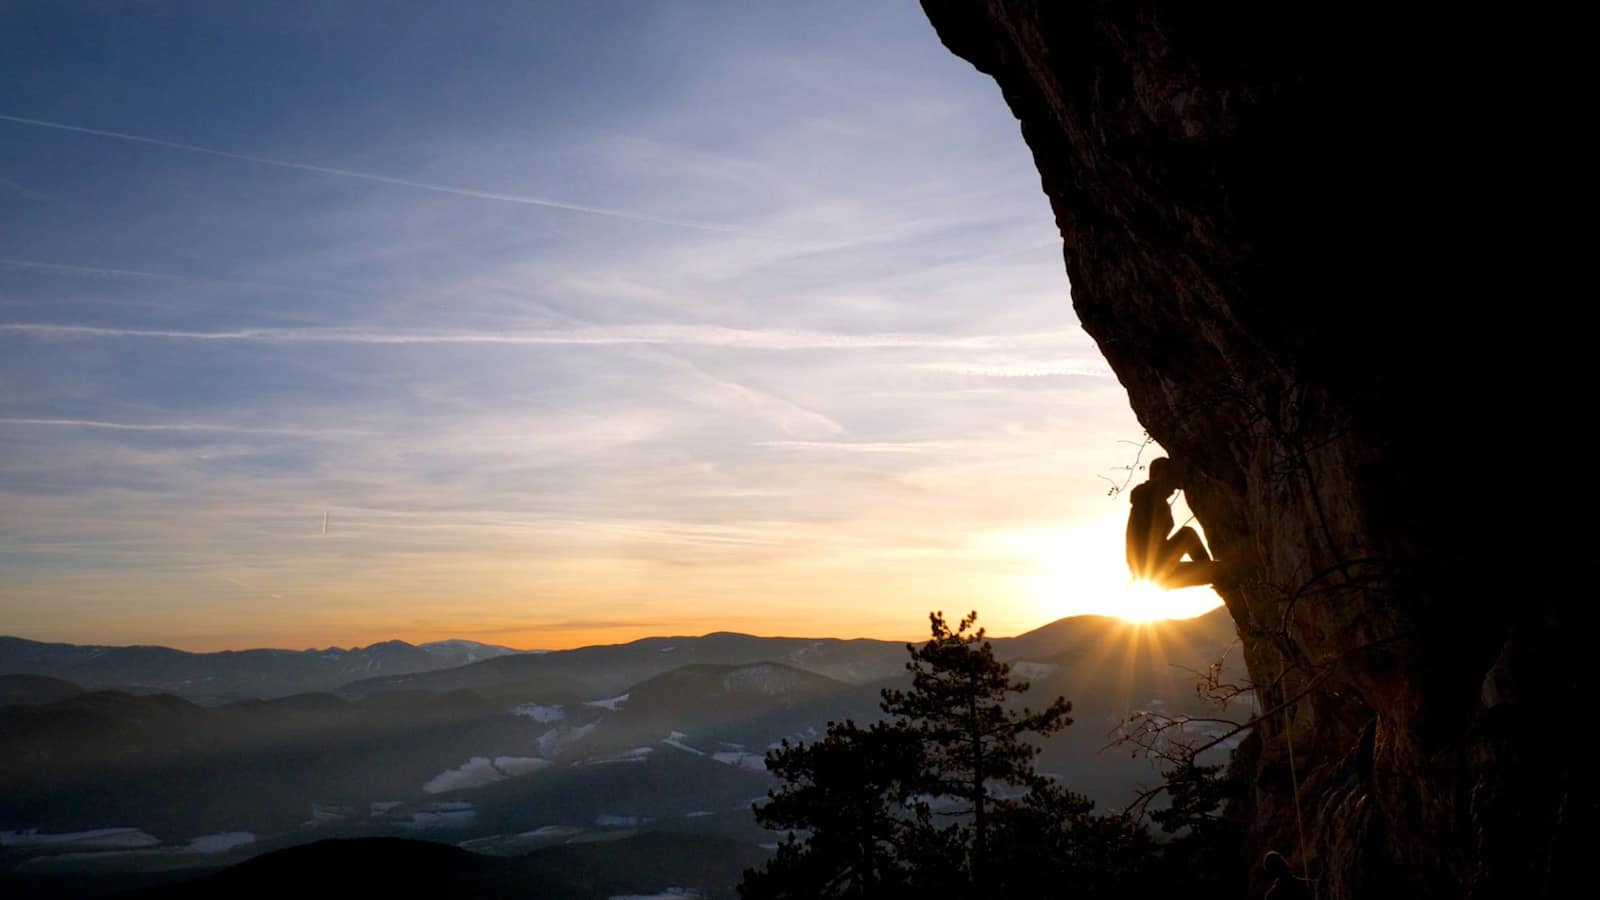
(1164, 474)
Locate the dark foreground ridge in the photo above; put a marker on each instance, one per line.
(1280, 226)
(399, 868)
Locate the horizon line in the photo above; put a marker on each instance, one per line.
(648, 637)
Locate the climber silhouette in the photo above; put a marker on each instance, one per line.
(1153, 555)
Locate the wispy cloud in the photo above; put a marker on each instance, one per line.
(569, 425)
(102, 272)
(621, 335)
(220, 428)
(861, 446)
(250, 588)
(1091, 368)
(22, 190)
(789, 416)
(522, 199)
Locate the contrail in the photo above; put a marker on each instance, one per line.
(695, 335)
(382, 179)
(786, 414)
(102, 272)
(250, 587)
(94, 270)
(172, 426)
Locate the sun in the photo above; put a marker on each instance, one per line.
(1142, 602)
(1081, 570)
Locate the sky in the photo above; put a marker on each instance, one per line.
(574, 323)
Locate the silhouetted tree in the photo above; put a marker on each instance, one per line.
(849, 794)
(1051, 844)
(917, 805)
(1207, 804)
(973, 749)
(1206, 819)
(1196, 794)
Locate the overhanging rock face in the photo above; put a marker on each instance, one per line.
(1275, 226)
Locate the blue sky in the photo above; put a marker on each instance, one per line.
(580, 322)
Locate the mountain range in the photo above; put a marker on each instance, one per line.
(233, 674)
(504, 756)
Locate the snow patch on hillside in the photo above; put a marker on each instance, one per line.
(221, 842)
(540, 713)
(551, 831)
(512, 766)
(753, 762)
(97, 839)
(675, 739)
(636, 755)
(330, 812)
(444, 815)
(558, 739)
(611, 703)
(482, 770)
(763, 679)
(612, 821)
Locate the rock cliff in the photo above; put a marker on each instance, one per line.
(1276, 225)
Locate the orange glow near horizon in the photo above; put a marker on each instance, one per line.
(1083, 572)
(878, 580)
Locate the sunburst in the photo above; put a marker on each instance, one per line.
(1081, 571)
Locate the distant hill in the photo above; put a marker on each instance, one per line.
(1149, 662)
(1077, 634)
(180, 770)
(516, 753)
(458, 652)
(613, 668)
(711, 709)
(495, 672)
(232, 674)
(643, 865)
(733, 691)
(32, 690)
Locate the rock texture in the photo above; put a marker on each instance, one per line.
(1276, 226)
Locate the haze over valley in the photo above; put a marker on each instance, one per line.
(120, 764)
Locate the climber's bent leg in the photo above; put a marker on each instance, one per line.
(1200, 569)
(1191, 574)
(1186, 540)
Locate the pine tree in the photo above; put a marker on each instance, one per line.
(940, 801)
(850, 794)
(973, 747)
